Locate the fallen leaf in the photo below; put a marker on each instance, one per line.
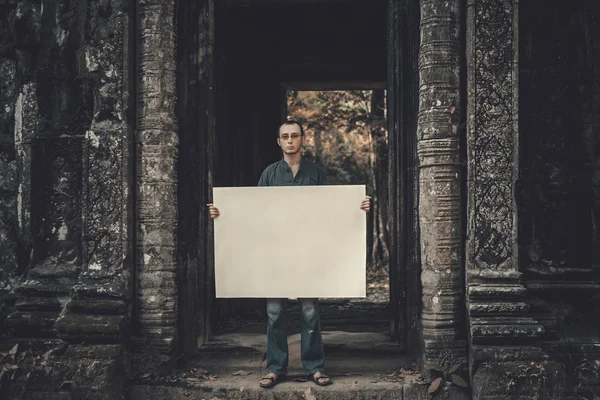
(309, 394)
(435, 385)
(437, 367)
(212, 378)
(67, 385)
(242, 389)
(454, 369)
(146, 376)
(458, 381)
(241, 372)
(14, 350)
(192, 379)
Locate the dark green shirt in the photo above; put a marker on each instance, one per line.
(280, 174)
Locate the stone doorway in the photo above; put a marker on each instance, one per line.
(234, 68)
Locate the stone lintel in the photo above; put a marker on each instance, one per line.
(507, 353)
(475, 274)
(75, 324)
(497, 292)
(570, 288)
(23, 324)
(499, 308)
(503, 329)
(97, 306)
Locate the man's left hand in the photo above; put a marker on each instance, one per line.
(366, 204)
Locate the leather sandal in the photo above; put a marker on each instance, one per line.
(321, 379)
(274, 378)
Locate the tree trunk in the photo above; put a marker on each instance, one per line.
(379, 164)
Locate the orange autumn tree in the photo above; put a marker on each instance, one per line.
(346, 133)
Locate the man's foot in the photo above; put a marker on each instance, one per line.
(270, 380)
(320, 379)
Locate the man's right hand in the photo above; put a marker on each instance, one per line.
(214, 211)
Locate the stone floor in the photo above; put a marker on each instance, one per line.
(362, 365)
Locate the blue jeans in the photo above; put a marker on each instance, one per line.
(311, 344)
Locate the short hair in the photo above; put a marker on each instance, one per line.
(291, 122)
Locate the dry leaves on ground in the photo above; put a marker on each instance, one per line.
(434, 385)
(309, 394)
(8, 368)
(241, 372)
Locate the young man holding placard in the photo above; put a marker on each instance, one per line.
(293, 170)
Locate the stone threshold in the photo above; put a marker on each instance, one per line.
(362, 365)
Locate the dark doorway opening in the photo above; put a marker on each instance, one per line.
(266, 48)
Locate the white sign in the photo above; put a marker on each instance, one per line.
(290, 242)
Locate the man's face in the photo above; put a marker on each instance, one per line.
(290, 139)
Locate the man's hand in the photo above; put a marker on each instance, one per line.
(366, 204)
(214, 211)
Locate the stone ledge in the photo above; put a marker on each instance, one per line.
(96, 325)
(100, 306)
(40, 322)
(248, 389)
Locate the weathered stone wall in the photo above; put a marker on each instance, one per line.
(65, 210)
(558, 193)
(9, 235)
(532, 294)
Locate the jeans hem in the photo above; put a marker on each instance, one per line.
(313, 371)
(278, 373)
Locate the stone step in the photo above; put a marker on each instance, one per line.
(362, 365)
(347, 388)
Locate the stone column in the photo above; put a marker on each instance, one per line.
(157, 147)
(440, 176)
(497, 305)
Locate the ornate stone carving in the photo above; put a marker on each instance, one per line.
(497, 304)
(98, 308)
(492, 255)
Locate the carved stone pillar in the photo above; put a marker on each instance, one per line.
(444, 337)
(157, 146)
(496, 304)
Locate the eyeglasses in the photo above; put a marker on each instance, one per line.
(285, 136)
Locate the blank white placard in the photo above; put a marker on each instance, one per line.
(290, 241)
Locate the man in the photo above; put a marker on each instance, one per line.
(293, 170)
